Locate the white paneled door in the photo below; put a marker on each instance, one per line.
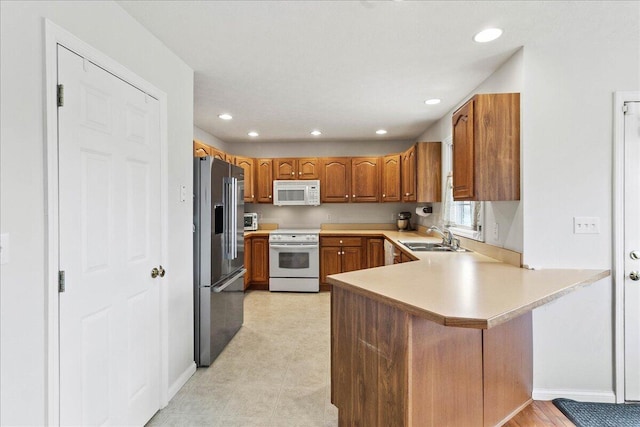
(632, 250)
(110, 237)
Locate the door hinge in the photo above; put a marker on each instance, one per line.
(61, 281)
(625, 108)
(60, 95)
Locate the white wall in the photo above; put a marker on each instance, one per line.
(105, 26)
(508, 215)
(566, 90)
(567, 127)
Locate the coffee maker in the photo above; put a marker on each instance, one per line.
(403, 221)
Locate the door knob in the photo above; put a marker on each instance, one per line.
(634, 275)
(154, 272)
(161, 271)
(635, 254)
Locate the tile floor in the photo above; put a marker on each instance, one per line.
(274, 373)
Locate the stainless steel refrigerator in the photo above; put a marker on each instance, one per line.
(218, 256)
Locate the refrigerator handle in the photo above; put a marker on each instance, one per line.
(234, 218)
(227, 218)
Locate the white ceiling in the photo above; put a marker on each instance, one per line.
(283, 68)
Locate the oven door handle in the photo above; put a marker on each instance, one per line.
(301, 246)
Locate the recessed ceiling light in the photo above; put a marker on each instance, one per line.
(316, 132)
(487, 35)
(381, 131)
(225, 116)
(253, 134)
(432, 101)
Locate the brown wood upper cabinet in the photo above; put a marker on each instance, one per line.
(335, 176)
(299, 168)
(409, 165)
(365, 179)
(429, 171)
(247, 164)
(391, 178)
(264, 181)
(486, 148)
(200, 149)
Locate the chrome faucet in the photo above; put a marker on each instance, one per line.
(447, 237)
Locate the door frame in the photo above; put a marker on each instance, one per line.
(55, 35)
(619, 98)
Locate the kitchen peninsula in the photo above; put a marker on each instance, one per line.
(442, 341)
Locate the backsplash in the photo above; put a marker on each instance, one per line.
(340, 213)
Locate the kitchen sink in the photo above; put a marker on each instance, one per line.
(430, 247)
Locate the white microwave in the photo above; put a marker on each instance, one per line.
(296, 192)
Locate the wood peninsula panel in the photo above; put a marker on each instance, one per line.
(390, 367)
(368, 361)
(508, 374)
(445, 376)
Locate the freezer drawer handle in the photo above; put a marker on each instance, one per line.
(228, 282)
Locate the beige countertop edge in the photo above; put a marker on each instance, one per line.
(474, 323)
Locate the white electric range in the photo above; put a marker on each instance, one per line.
(294, 260)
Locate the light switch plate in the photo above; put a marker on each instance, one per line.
(4, 248)
(586, 225)
(183, 193)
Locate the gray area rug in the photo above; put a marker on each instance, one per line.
(585, 414)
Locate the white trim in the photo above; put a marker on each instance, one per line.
(182, 380)
(55, 35)
(578, 395)
(619, 98)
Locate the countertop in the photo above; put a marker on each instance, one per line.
(464, 289)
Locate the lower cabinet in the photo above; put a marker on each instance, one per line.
(375, 252)
(256, 260)
(341, 254)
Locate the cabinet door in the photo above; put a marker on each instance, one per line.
(201, 149)
(330, 257)
(218, 154)
(404, 257)
(429, 161)
(247, 163)
(409, 175)
(284, 169)
(230, 158)
(247, 261)
(375, 252)
(391, 178)
(352, 258)
(260, 260)
(308, 168)
(365, 179)
(463, 163)
(335, 184)
(264, 181)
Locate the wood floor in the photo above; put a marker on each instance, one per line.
(540, 414)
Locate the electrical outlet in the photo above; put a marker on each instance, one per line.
(393, 217)
(329, 217)
(586, 225)
(496, 231)
(4, 248)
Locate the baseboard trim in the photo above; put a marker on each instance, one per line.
(182, 380)
(578, 395)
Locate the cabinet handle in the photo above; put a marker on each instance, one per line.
(406, 194)
(252, 196)
(299, 173)
(340, 241)
(384, 195)
(338, 252)
(269, 195)
(346, 196)
(293, 173)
